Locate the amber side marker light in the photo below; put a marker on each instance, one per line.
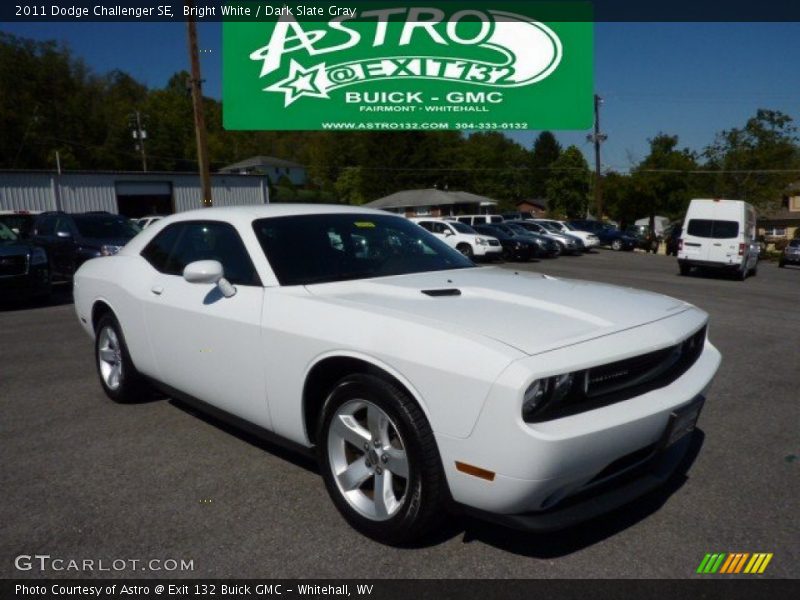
(475, 471)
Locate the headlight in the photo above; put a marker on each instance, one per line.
(546, 392)
(38, 256)
(480, 241)
(109, 250)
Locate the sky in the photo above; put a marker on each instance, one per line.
(687, 79)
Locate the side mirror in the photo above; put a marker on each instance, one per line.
(447, 233)
(64, 235)
(209, 271)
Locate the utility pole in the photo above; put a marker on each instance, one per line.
(197, 102)
(140, 135)
(597, 138)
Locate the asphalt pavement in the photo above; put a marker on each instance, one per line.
(85, 479)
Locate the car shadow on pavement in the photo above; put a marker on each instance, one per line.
(566, 541)
(248, 433)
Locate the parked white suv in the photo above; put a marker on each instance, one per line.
(463, 238)
(589, 240)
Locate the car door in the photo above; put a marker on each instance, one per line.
(44, 235)
(64, 246)
(204, 344)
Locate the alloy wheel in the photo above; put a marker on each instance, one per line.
(368, 460)
(109, 357)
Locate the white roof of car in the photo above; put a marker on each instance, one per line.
(262, 211)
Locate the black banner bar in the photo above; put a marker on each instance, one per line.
(741, 587)
(211, 10)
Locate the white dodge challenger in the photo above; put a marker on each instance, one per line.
(422, 381)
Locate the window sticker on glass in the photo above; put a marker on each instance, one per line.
(365, 224)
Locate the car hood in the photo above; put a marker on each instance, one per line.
(530, 312)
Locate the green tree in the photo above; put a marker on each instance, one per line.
(546, 150)
(661, 183)
(568, 185)
(767, 142)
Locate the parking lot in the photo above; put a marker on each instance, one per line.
(83, 478)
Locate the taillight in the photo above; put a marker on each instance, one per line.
(680, 244)
(741, 249)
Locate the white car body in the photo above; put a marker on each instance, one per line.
(589, 239)
(466, 360)
(480, 245)
(719, 234)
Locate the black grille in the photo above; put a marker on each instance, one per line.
(13, 265)
(625, 379)
(494, 243)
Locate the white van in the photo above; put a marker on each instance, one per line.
(719, 234)
(478, 219)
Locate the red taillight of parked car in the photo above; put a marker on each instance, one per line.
(741, 249)
(680, 244)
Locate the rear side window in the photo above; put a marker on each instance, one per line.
(158, 250)
(496, 219)
(708, 228)
(46, 226)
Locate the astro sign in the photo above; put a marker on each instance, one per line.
(382, 67)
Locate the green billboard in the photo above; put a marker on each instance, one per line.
(378, 66)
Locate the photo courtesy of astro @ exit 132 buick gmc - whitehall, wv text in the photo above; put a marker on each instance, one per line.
(422, 381)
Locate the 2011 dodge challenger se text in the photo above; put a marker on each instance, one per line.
(421, 380)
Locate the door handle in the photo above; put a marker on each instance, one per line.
(157, 290)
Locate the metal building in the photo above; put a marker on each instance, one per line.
(129, 193)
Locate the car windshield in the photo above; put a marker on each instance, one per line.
(6, 235)
(461, 228)
(493, 231)
(550, 226)
(795, 243)
(306, 249)
(708, 228)
(18, 223)
(105, 226)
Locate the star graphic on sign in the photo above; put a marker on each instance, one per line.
(301, 82)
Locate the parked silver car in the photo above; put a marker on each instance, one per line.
(791, 254)
(569, 244)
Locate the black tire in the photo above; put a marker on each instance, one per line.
(616, 245)
(466, 250)
(425, 492)
(684, 269)
(781, 264)
(132, 386)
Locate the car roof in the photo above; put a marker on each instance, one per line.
(263, 211)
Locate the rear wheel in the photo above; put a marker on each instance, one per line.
(684, 268)
(781, 264)
(379, 460)
(120, 380)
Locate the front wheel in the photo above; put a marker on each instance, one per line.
(616, 245)
(466, 250)
(379, 460)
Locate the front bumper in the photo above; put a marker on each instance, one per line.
(791, 258)
(538, 466)
(36, 282)
(639, 480)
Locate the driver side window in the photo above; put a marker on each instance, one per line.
(183, 243)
